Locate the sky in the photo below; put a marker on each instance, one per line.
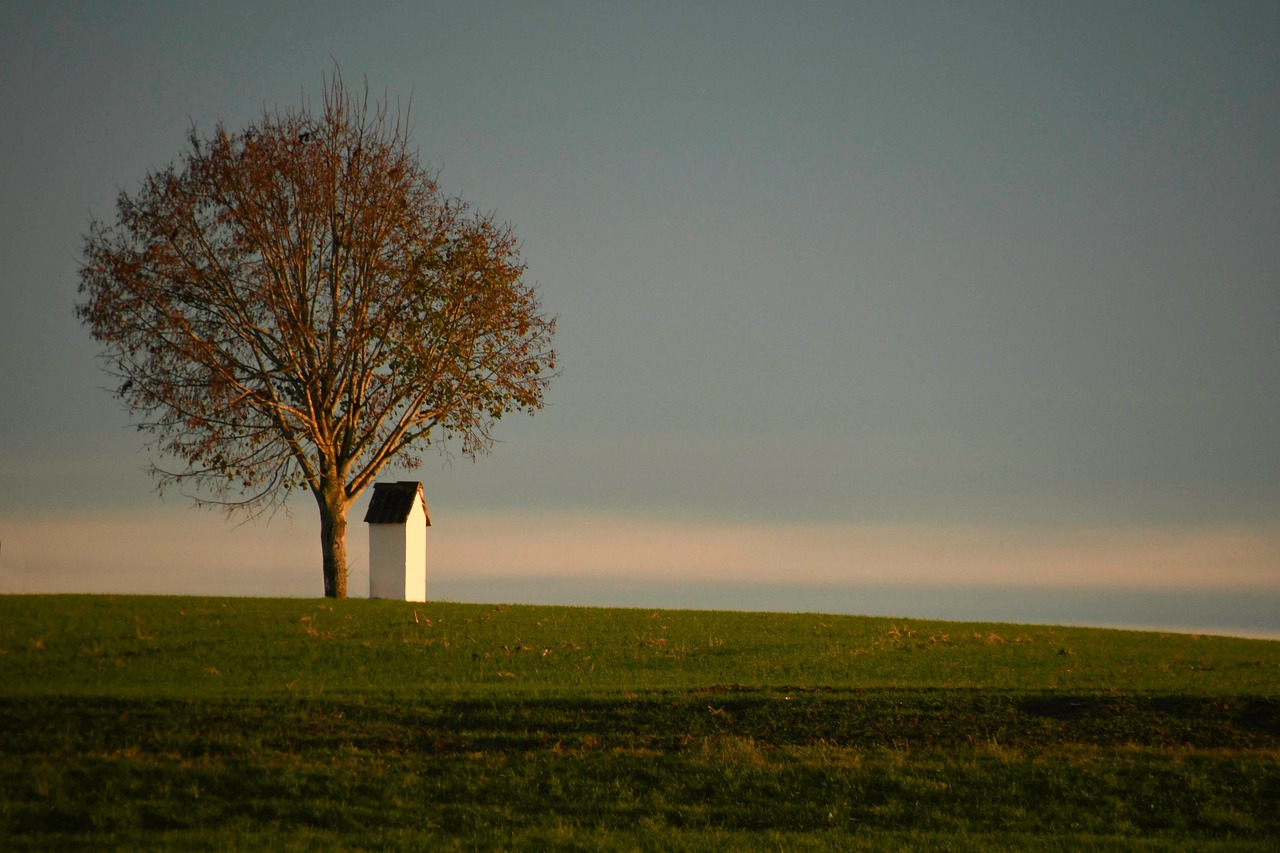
(962, 295)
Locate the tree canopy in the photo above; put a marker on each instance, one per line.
(297, 305)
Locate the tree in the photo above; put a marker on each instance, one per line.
(297, 306)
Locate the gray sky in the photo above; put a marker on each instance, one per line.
(1009, 267)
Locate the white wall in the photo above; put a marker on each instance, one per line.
(415, 554)
(386, 560)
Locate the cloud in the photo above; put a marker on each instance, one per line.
(1222, 556)
(163, 551)
(182, 551)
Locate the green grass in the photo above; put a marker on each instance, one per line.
(206, 723)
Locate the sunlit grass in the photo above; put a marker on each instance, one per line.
(120, 646)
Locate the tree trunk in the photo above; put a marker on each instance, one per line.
(333, 541)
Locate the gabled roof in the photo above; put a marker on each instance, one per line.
(392, 502)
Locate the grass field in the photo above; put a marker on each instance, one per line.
(207, 723)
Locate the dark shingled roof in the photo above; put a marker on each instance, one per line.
(392, 502)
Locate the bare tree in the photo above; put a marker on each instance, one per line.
(298, 306)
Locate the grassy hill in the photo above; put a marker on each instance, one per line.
(207, 723)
